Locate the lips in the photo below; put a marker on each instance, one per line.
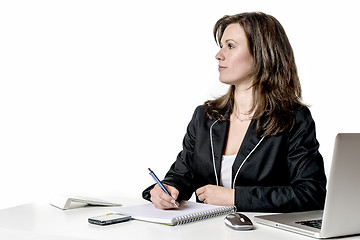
(221, 67)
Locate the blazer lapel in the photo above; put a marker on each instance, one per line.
(219, 135)
(249, 142)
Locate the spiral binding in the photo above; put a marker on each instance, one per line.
(194, 217)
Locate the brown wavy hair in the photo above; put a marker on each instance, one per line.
(276, 86)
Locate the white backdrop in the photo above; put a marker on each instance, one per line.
(92, 93)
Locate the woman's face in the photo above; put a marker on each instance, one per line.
(235, 60)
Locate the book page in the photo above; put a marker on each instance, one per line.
(147, 212)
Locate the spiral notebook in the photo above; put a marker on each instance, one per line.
(187, 212)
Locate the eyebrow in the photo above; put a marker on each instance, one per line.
(230, 39)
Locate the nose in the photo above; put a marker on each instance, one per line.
(219, 56)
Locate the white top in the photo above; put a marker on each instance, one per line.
(226, 170)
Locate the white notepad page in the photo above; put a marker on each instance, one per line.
(187, 212)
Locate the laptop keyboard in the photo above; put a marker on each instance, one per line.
(312, 223)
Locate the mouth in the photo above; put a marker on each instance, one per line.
(220, 68)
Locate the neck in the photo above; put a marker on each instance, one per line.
(243, 100)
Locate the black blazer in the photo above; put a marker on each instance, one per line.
(283, 173)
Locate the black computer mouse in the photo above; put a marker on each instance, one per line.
(238, 221)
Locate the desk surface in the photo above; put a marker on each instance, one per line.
(42, 221)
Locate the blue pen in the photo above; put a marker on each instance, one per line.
(161, 185)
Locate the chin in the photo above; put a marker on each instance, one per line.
(245, 81)
(227, 81)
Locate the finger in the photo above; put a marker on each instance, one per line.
(161, 199)
(166, 201)
(164, 196)
(164, 205)
(200, 191)
(157, 196)
(170, 201)
(159, 192)
(161, 203)
(202, 197)
(173, 192)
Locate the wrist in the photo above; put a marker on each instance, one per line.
(232, 203)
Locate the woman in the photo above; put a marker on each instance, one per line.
(255, 147)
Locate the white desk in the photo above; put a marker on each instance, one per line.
(42, 221)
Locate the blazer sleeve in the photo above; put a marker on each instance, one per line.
(307, 187)
(180, 174)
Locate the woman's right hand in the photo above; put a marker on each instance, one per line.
(162, 200)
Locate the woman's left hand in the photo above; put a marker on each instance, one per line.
(215, 195)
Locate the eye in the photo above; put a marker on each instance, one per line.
(230, 46)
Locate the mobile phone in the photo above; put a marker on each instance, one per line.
(109, 219)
